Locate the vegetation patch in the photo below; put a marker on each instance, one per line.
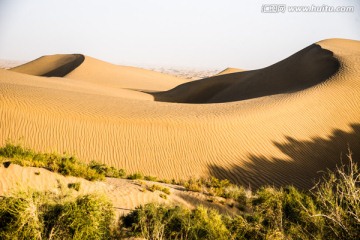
(36, 215)
(63, 164)
(331, 210)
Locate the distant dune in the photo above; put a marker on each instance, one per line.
(278, 125)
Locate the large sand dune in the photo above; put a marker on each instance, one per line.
(277, 125)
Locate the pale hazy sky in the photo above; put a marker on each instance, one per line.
(181, 33)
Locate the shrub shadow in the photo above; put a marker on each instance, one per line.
(308, 161)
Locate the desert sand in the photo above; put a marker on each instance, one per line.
(125, 194)
(277, 125)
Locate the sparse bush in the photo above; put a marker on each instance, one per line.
(164, 196)
(106, 170)
(136, 175)
(150, 178)
(156, 187)
(75, 186)
(165, 190)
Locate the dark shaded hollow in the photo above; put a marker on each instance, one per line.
(66, 68)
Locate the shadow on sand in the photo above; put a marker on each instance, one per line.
(308, 161)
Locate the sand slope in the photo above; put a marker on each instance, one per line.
(295, 118)
(125, 194)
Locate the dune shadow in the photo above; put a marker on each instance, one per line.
(305, 164)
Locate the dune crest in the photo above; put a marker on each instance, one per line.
(306, 68)
(228, 71)
(291, 121)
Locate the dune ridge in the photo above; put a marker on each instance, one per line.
(228, 71)
(304, 69)
(261, 136)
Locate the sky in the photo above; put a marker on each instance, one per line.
(201, 34)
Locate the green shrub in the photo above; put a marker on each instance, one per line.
(88, 217)
(35, 215)
(154, 221)
(20, 217)
(63, 164)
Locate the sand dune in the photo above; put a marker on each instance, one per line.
(106, 74)
(51, 66)
(278, 125)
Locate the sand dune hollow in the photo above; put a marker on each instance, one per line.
(278, 125)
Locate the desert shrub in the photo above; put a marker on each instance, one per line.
(136, 175)
(75, 186)
(20, 217)
(156, 187)
(88, 217)
(150, 178)
(153, 221)
(11, 150)
(63, 164)
(35, 215)
(165, 190)
(215, 187)
(147, 221)
(268, 211)
(107, 171)
(298, 208)
(70, 166)
(194, 185)
(164, 196)
(338, 198)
